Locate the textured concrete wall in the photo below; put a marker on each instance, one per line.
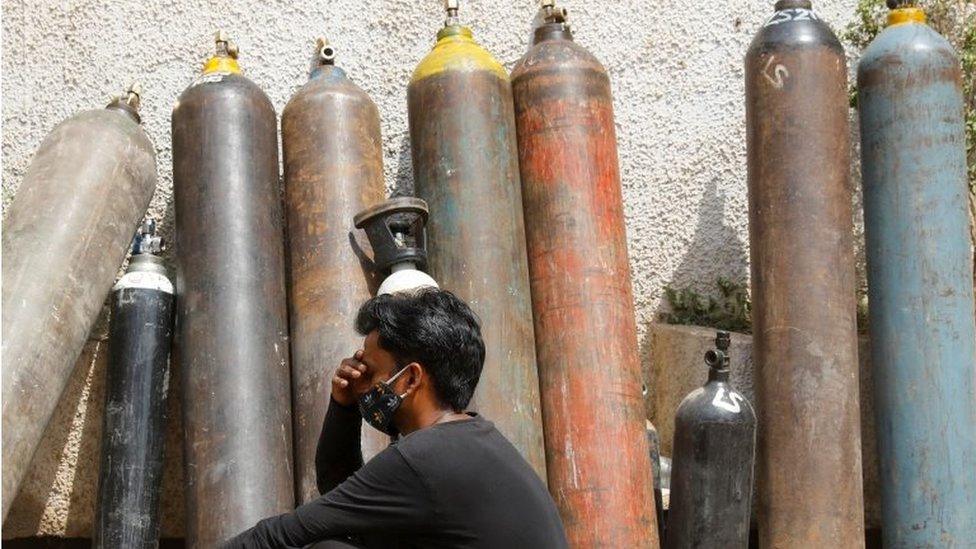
(676, 69)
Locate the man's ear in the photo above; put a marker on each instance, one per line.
(414, 377)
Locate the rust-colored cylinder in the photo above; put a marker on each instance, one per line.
(809, 466)
(330, 133)
(232, 324)
(465, 161)
(597, 456)
(64, 238)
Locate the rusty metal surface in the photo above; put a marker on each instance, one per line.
(923, 338)
(333, 169)
(809, 463)
(597, 455)
(465, 161)
(64, 238)
(232, 326)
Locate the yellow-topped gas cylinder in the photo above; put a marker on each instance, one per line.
(224, 58)
(911, 106)
(457, 50)
(465, 160)
(231, 307)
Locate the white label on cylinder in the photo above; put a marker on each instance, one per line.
(792, 14)
(210, 78)
(731, 403)
(145, 280)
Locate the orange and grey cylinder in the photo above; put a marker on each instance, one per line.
(65, 236)
(597, 455)
(330, 133)
(232, 325)
(800, 228)
(465, 162)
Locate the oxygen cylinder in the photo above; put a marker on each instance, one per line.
(65, 236)
(714, 451)
(581, 292)
(465, 162)
(804, 305)
(127, 514)
(923, 340)
(232, 325)
(330, 134)
(397, 233)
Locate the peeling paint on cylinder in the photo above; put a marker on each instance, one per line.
(330, 133)
(232, 325)
(586, 335)
(809, 458)
(923, 339)
(465, 161)
(64, 238)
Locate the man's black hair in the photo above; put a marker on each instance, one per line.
(434, 328)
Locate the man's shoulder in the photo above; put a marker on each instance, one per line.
(451, 437)
(459, 447)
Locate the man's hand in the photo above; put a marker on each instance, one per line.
(350, 380)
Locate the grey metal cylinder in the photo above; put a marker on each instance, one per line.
(232, 326)
(330, 134)
(801, 235)
(919, 259)
(64, 238)
(465, 160)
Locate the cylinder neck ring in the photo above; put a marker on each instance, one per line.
(902, 16)
(455, 31)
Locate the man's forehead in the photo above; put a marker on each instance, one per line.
(373, 354)
(371, 344)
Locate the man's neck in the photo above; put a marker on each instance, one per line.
(430, 417)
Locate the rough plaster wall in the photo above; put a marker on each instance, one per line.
(676, 69)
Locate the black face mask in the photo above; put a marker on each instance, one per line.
(378, 405)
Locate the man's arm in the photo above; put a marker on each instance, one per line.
(384, 495)
(339, 453)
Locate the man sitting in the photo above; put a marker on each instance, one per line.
(449, 478)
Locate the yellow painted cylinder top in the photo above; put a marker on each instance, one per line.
(456, 50)
(221, 63)
(901, 16)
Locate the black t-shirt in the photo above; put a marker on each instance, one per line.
(454, 484)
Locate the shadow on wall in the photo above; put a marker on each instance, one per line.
(166, 228)
(58, 496)
(29, 513)
(404, 175)
(716, 251)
